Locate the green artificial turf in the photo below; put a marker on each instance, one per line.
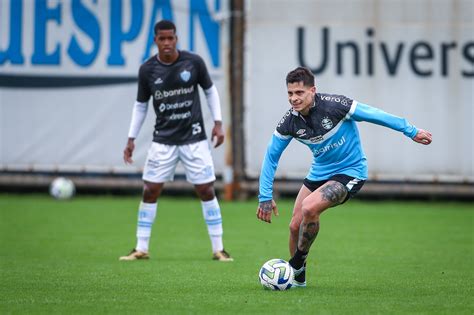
(369, 258)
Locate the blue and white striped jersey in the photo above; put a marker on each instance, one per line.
(331, 133)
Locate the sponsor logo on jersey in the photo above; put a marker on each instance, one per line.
(327, 123)
(159, 81)
(180, 116)
(329, 147)
(343, 100)
(158, 95)
(301, 132)
(181, 91)
(331, 98)
(316, 139)
(185, 75)
(164, 106)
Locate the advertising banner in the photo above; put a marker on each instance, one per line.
(414, 59)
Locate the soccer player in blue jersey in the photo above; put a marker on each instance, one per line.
(326, 124)
(171, 79)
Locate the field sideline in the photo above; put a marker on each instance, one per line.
(370, 257)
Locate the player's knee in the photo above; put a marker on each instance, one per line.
(294, 228)
(151, 192)
(205, 192)
(310, 209)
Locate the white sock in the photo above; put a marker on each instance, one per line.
(212, 215)
(146, 217)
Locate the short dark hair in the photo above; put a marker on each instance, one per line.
(164, 25)
(300, 74)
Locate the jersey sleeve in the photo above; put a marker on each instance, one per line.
(144, 93)
(214, 103)
(138, 117)
(204, 79)
(270, 162)
(364, 112)
(344, 105)
(283, 127)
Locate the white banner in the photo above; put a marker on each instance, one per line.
(414, 59)
(68, 77)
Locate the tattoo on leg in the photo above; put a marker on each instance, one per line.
(308, 233)
(334, 192)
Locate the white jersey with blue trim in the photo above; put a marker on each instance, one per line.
(330, 132)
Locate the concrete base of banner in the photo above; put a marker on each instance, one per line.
(21, 182)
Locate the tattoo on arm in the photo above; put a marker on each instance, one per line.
(266, 206)
(308, 233)
(334, 192)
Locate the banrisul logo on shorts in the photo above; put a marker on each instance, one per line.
(326, 123)
(181, 91)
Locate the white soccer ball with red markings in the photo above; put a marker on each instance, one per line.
(276, 274)
(62, 188)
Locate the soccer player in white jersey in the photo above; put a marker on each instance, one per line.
(171, 78)
(326, 124)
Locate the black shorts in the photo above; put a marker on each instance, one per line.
(352, 184)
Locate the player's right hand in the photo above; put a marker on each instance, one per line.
(128, 152)
(423, 137)
(265, 209)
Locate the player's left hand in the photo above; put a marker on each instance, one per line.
(264, 210)
(218, 134)
(423, 137)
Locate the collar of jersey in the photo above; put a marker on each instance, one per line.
(294, 112)
(168, 64)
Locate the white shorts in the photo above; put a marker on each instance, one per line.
(196, 158)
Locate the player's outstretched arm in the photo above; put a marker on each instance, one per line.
(423, 137)
(128, 151)
(265, 209)
(217, 134)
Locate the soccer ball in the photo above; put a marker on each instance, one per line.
(62, 188)
(276, 274)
